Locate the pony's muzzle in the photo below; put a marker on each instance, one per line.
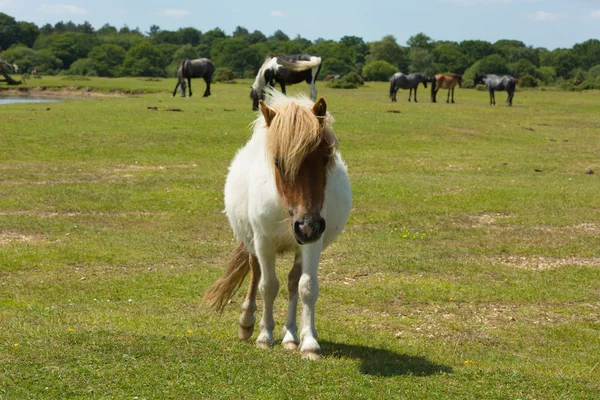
(309, 230)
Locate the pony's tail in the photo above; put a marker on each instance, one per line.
(433, 85)
(217, 296)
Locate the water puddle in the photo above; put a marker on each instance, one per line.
(26, 99)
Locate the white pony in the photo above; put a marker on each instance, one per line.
(287, 190)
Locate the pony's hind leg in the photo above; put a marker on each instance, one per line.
(247, 319)
(290, 338)
(207, 91)
(190, 85)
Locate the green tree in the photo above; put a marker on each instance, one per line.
(587, 53)
(68, 46)
(420, 40)
(387, 49)
(190, 36)
(449, 59)
(379, 70)
(359, 47)
(564, 62)
(522, 67)
(279, 35)
(144, 59)
(9, 31)
(547, 75)
(421, 60)
(475, 50)
(106, 59)
(28, 33)
(83, 67)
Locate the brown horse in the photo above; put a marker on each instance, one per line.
(441, 81)
(287, 190)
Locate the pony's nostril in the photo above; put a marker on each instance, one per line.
(321, 226)
(297, 229)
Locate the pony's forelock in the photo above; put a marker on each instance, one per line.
(295, 131)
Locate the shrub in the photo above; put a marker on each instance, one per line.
(349, 81)
(223, 75)
(82, 67)
(528, 81)
(379, 70)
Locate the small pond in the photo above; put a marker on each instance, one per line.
(26, 99)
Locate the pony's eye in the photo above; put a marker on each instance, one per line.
(325, 159)
(277, 163)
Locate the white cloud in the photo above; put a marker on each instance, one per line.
(277, 14)
(174, 13)
(61, 9)
(547, 16)
(595, 14)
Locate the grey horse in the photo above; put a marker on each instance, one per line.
(198, 68)
(495, 82)
(402, 81)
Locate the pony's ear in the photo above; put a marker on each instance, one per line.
(320, 108)
(267, 112)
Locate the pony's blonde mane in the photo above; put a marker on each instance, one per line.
(295, 132)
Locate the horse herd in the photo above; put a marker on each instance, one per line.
(292, 69)
(288, 190)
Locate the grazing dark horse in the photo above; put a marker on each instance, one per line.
(401, 81)
(449, 82)
(285, 70)
(495, 82)
(198, 68)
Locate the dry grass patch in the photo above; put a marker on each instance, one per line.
(547, 263)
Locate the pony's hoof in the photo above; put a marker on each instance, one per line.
(244, 332)
(310, 355)
(291, 345)
(263, 344)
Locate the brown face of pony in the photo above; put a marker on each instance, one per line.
(303, 190)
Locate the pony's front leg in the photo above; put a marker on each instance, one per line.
(308, 288)
(175, 91)
(492, 98)
(448, 98)
(290, 332)
(313, 91)
(247, 319)
(409, 93)
(269, 287)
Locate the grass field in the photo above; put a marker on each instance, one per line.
(469, 267)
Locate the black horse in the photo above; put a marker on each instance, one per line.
(285, 70)
(495, 82)
(198, 68)
(402, 81)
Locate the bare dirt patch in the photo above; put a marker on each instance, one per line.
(13, 237)
(547, 263)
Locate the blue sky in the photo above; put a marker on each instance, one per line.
(538, 23)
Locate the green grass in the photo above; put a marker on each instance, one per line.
(462, 272)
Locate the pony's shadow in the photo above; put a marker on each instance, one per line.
(382, 362)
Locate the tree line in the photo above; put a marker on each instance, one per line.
(79, 49)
